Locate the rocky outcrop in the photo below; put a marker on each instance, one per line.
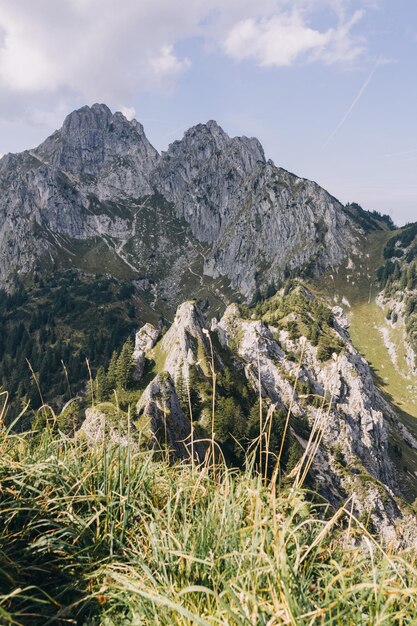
(356, 421)
(185, 344)
(160, 417)
(253, 342)
(395, 307)
(103, 426)
(145, 339)
(357, 418)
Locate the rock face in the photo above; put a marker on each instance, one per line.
(145, 339)
(105, 152)
(161, 415)
(210, 206)
(403, 321)
(399, 279)
(358, 417)
(357, 423)
(277, 214)
(354, 421)
(203, 174)
(99, 427)
(185, 345)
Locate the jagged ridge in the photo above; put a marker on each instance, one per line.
(227, 209)
(336, 388)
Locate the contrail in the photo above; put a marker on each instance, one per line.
(352, 106)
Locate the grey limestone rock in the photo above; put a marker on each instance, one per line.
(98, 427)
(185, 344)
(145, 339)
(210, 200)
(160, 415)
(356, 421)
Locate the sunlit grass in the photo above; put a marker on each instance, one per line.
(113, 535)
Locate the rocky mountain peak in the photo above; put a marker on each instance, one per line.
(162, 419)
(96, 116)
(185, 344)
(205, 140)
(98, 177)
(203, 174)
(93, 140)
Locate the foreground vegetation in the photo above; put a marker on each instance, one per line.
(115, 535)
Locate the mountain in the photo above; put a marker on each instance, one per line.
(377, 290)
(99, 232)
(398, 278)
(97, 196)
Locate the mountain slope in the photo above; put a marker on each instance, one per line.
(398, 278)
(377, 291)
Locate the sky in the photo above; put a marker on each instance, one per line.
(328, 86)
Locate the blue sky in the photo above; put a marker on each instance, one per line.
(328, 86)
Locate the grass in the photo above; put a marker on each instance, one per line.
(366, 319)
(113, 535)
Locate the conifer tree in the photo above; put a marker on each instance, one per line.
(111, 371)
(314, 334)
(101, 385)
(411, 277)
(124, 365)
(182, 393)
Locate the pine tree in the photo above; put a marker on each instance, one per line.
(124, 365)
(182, 392)
(101, 385)
(314, 334)
(111, 371)
(411, 277)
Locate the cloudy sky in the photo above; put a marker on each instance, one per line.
(328, 86)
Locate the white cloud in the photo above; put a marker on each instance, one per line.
(284, 38)
(166, 64)
(77, 51)
(128, 112)
(97, 49)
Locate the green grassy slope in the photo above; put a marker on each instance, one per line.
(355, 288)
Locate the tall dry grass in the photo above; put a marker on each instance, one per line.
(114, 535)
